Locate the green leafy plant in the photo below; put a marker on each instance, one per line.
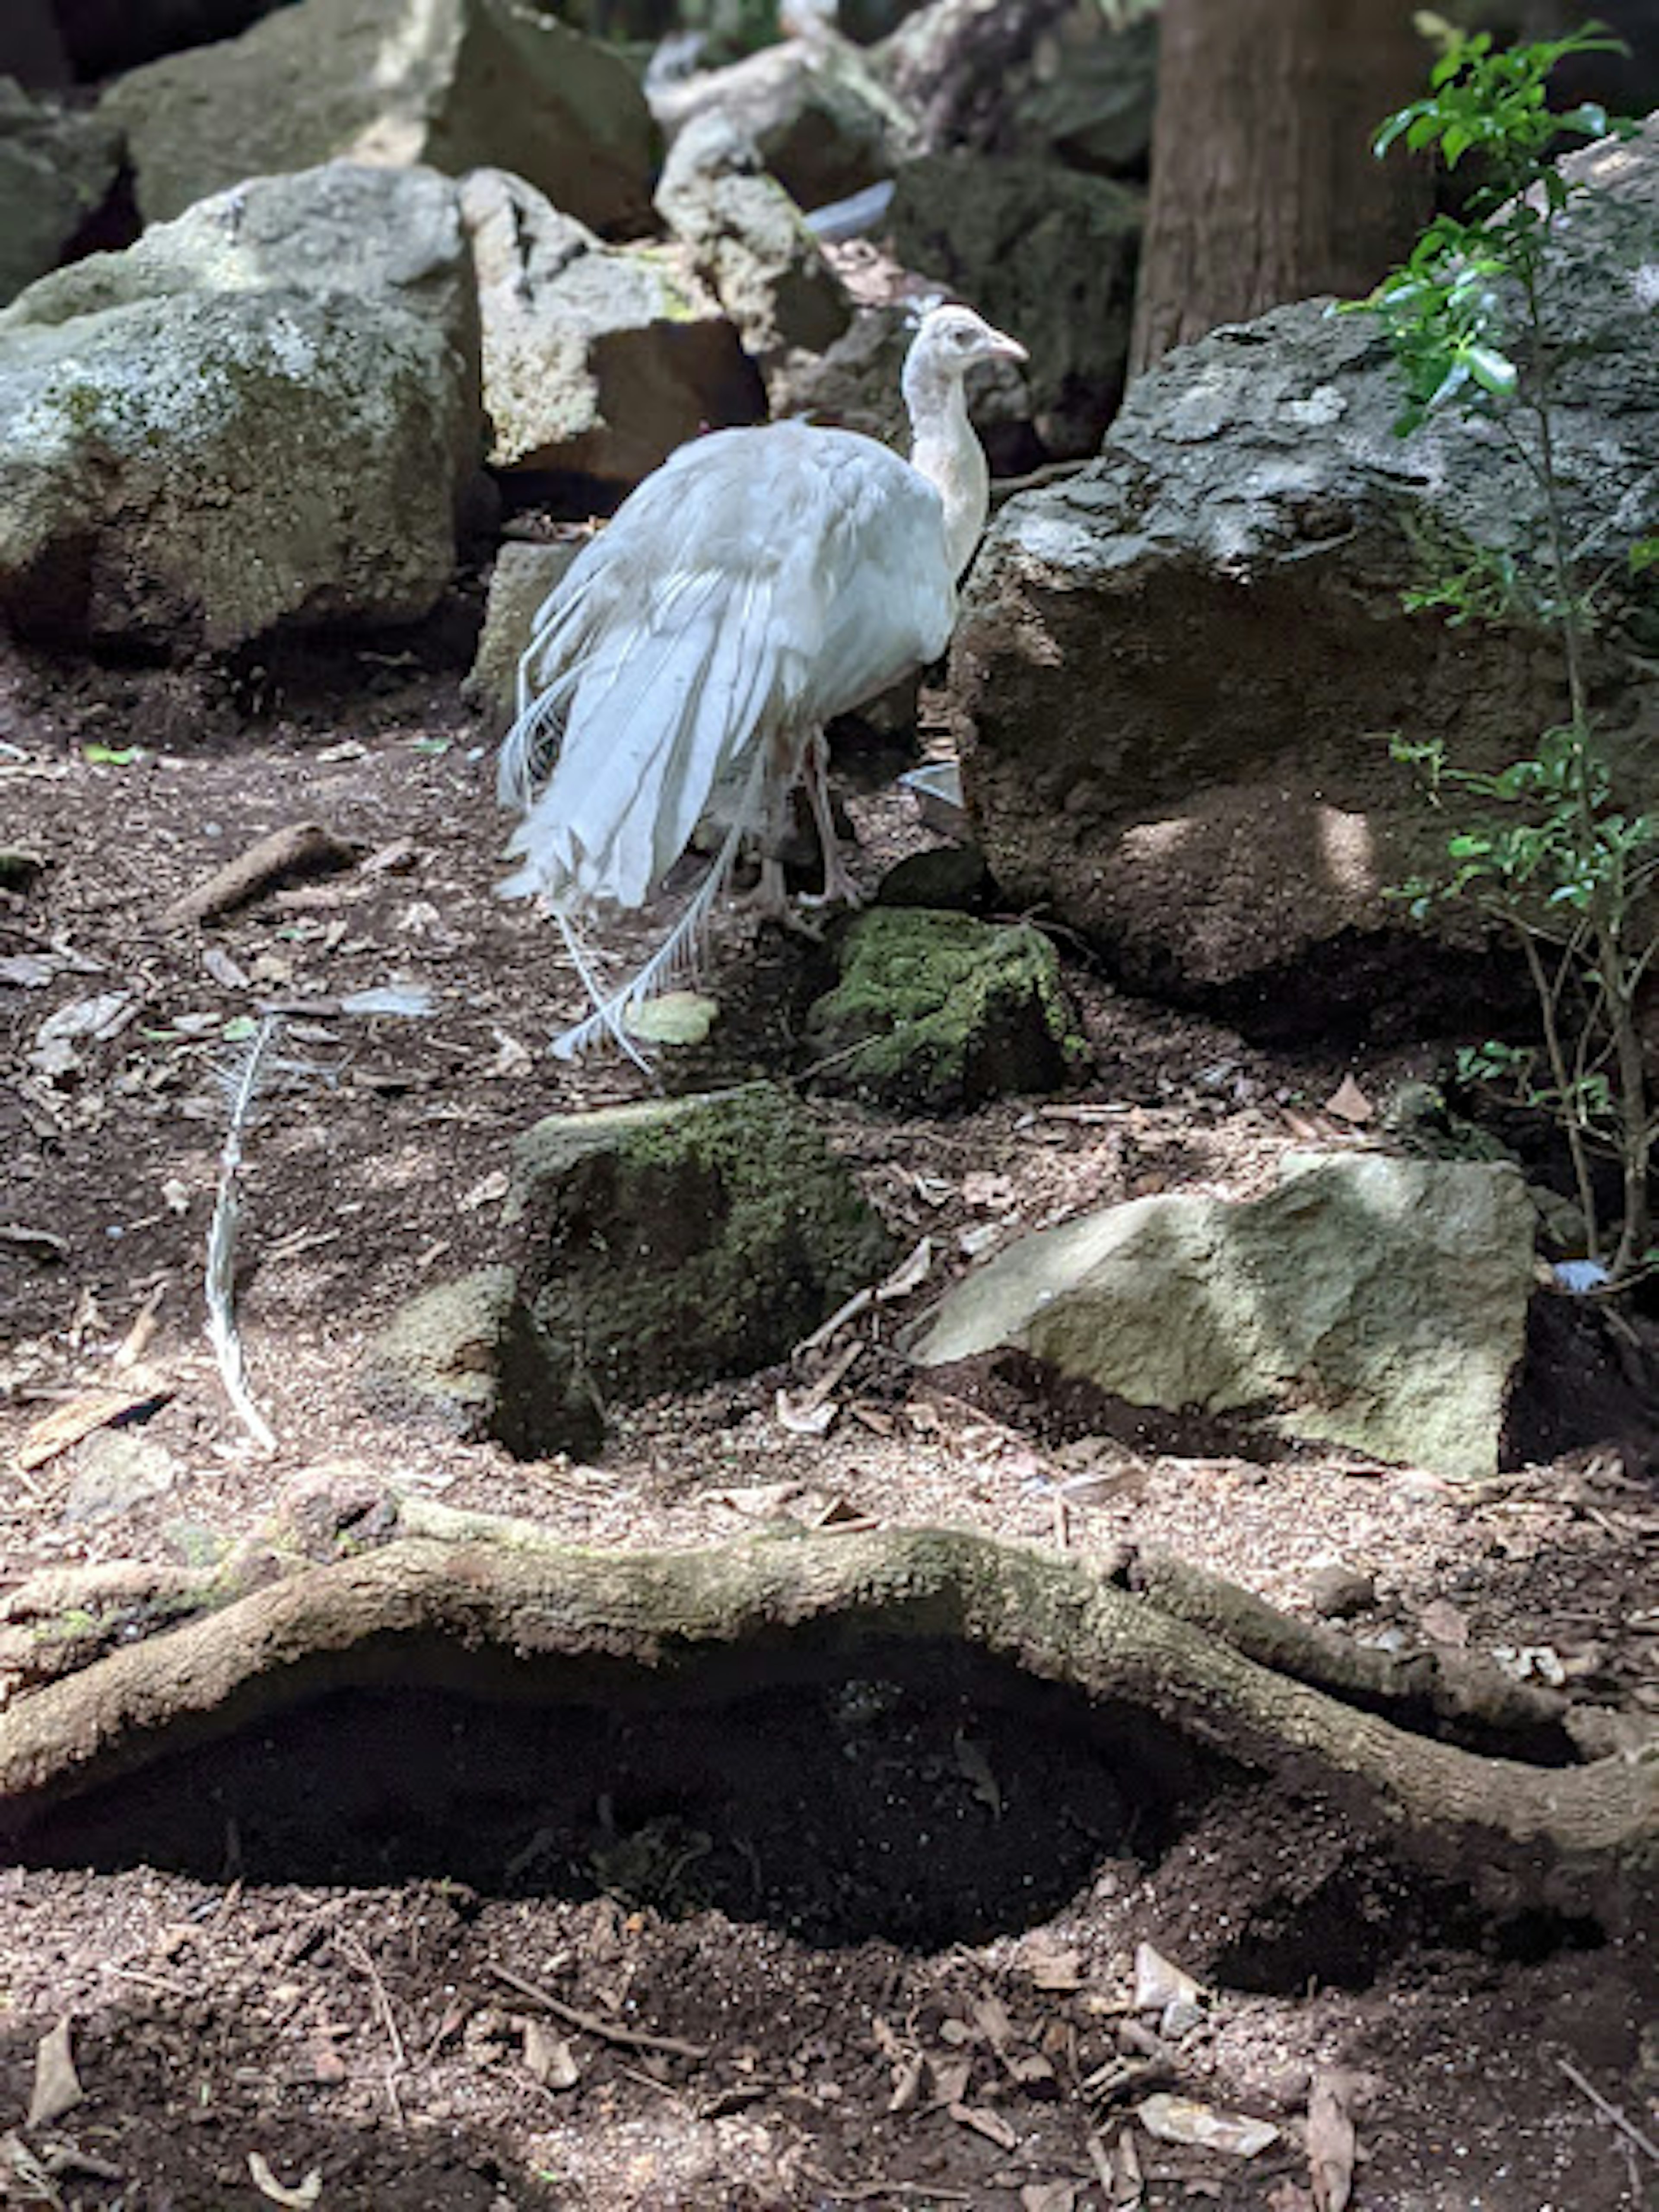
(1546, 845)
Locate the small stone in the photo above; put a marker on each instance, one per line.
(116, 1469)
(1339, 1593)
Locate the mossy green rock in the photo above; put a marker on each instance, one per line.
(937, 1010)
(669, 1244)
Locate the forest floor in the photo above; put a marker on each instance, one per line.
(916, 1993)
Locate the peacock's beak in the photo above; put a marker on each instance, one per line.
(1003, 348)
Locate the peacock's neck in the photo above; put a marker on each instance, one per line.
(945, 449)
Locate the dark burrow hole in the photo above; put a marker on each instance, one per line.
(917, 1793)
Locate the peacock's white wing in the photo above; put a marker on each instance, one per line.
(761, 580)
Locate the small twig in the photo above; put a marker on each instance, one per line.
(358, 1955)
(302, 848)
(631, 2038)
(1610, 2112)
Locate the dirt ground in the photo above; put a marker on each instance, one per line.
(868, 1942)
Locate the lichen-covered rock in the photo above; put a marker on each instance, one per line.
(1178, 670)
(523, 576)
(936, 1010)
(663, 1245)
(450, 83)
(56, 165)
(1047, 255)
(748, 241)
(598, 361)
(1376, 1302)
(823, 121)
(264, 413)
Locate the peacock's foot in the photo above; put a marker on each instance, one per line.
(839, 889)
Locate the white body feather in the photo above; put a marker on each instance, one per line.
(760, 582)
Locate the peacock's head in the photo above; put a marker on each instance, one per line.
(954, 339)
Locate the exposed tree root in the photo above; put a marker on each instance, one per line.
(496, 1608)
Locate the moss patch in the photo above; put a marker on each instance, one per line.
(669, 1244)
(937, 1010)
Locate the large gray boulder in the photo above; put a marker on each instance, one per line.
(1374, 1303)
(1178, 670)
(56, 165)
(264, 413)
(1067, 81)
(825, 125)
(598, 360)
(454, 84)
(1044, 254)
(750, 241)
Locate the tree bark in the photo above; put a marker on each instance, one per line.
(1264, 185)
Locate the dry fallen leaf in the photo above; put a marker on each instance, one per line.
(1349, 1103)
(1441, 1621)
(57, 2086)
(1331, 2141)
(906, 2083)
(807, 1416)
(1048, 2197)
(991, 2125)
(299, 2199)
(1160, 1982)
(549, 2057)
(1180, 2120)
(1054, 1969)
(974, 1765)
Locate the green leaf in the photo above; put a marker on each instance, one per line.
(112, 755)
(1493, 371)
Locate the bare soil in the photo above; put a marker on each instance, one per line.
(857, 1941)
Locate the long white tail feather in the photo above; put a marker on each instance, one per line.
(679, 956)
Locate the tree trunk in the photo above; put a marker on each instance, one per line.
(1264, 185)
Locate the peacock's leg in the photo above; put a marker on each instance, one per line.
(770, 897)
(839, 889)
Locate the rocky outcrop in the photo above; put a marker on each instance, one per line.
(451, 83)
(749, 242)
(659, 1247)
(598, 361)
(264, 413)
(1063, 81)
(937, 1010)
(1373, 1302)
(1177, 671)
(822, 121)
(1047, 255)
(55, 169)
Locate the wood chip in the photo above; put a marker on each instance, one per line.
(78, 1417)
(56, 2085)
(983, 2122)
